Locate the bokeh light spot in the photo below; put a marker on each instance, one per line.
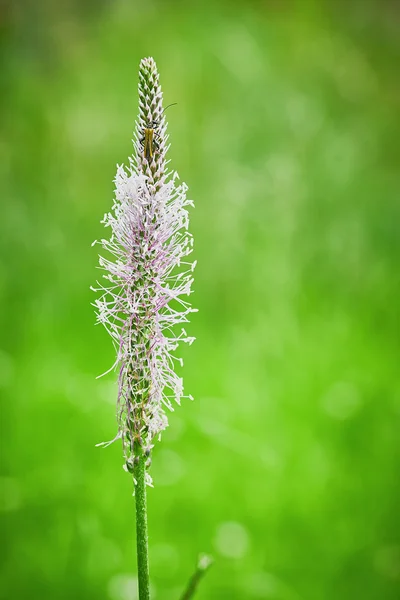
(232, 540)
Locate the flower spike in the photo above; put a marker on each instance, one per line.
(147, 277)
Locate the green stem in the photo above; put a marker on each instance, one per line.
(139, 472)
(203, 564)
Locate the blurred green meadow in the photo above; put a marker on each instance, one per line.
(286, 466)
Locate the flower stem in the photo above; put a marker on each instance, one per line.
(203, 564)
(141, 526)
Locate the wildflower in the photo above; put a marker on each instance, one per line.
(147, 277)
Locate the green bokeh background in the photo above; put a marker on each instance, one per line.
(286, 466)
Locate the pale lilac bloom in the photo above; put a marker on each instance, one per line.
(144, 299)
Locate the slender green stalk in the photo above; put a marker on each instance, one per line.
(204, 563)
(141, 526)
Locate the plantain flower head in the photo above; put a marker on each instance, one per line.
(147, 277)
